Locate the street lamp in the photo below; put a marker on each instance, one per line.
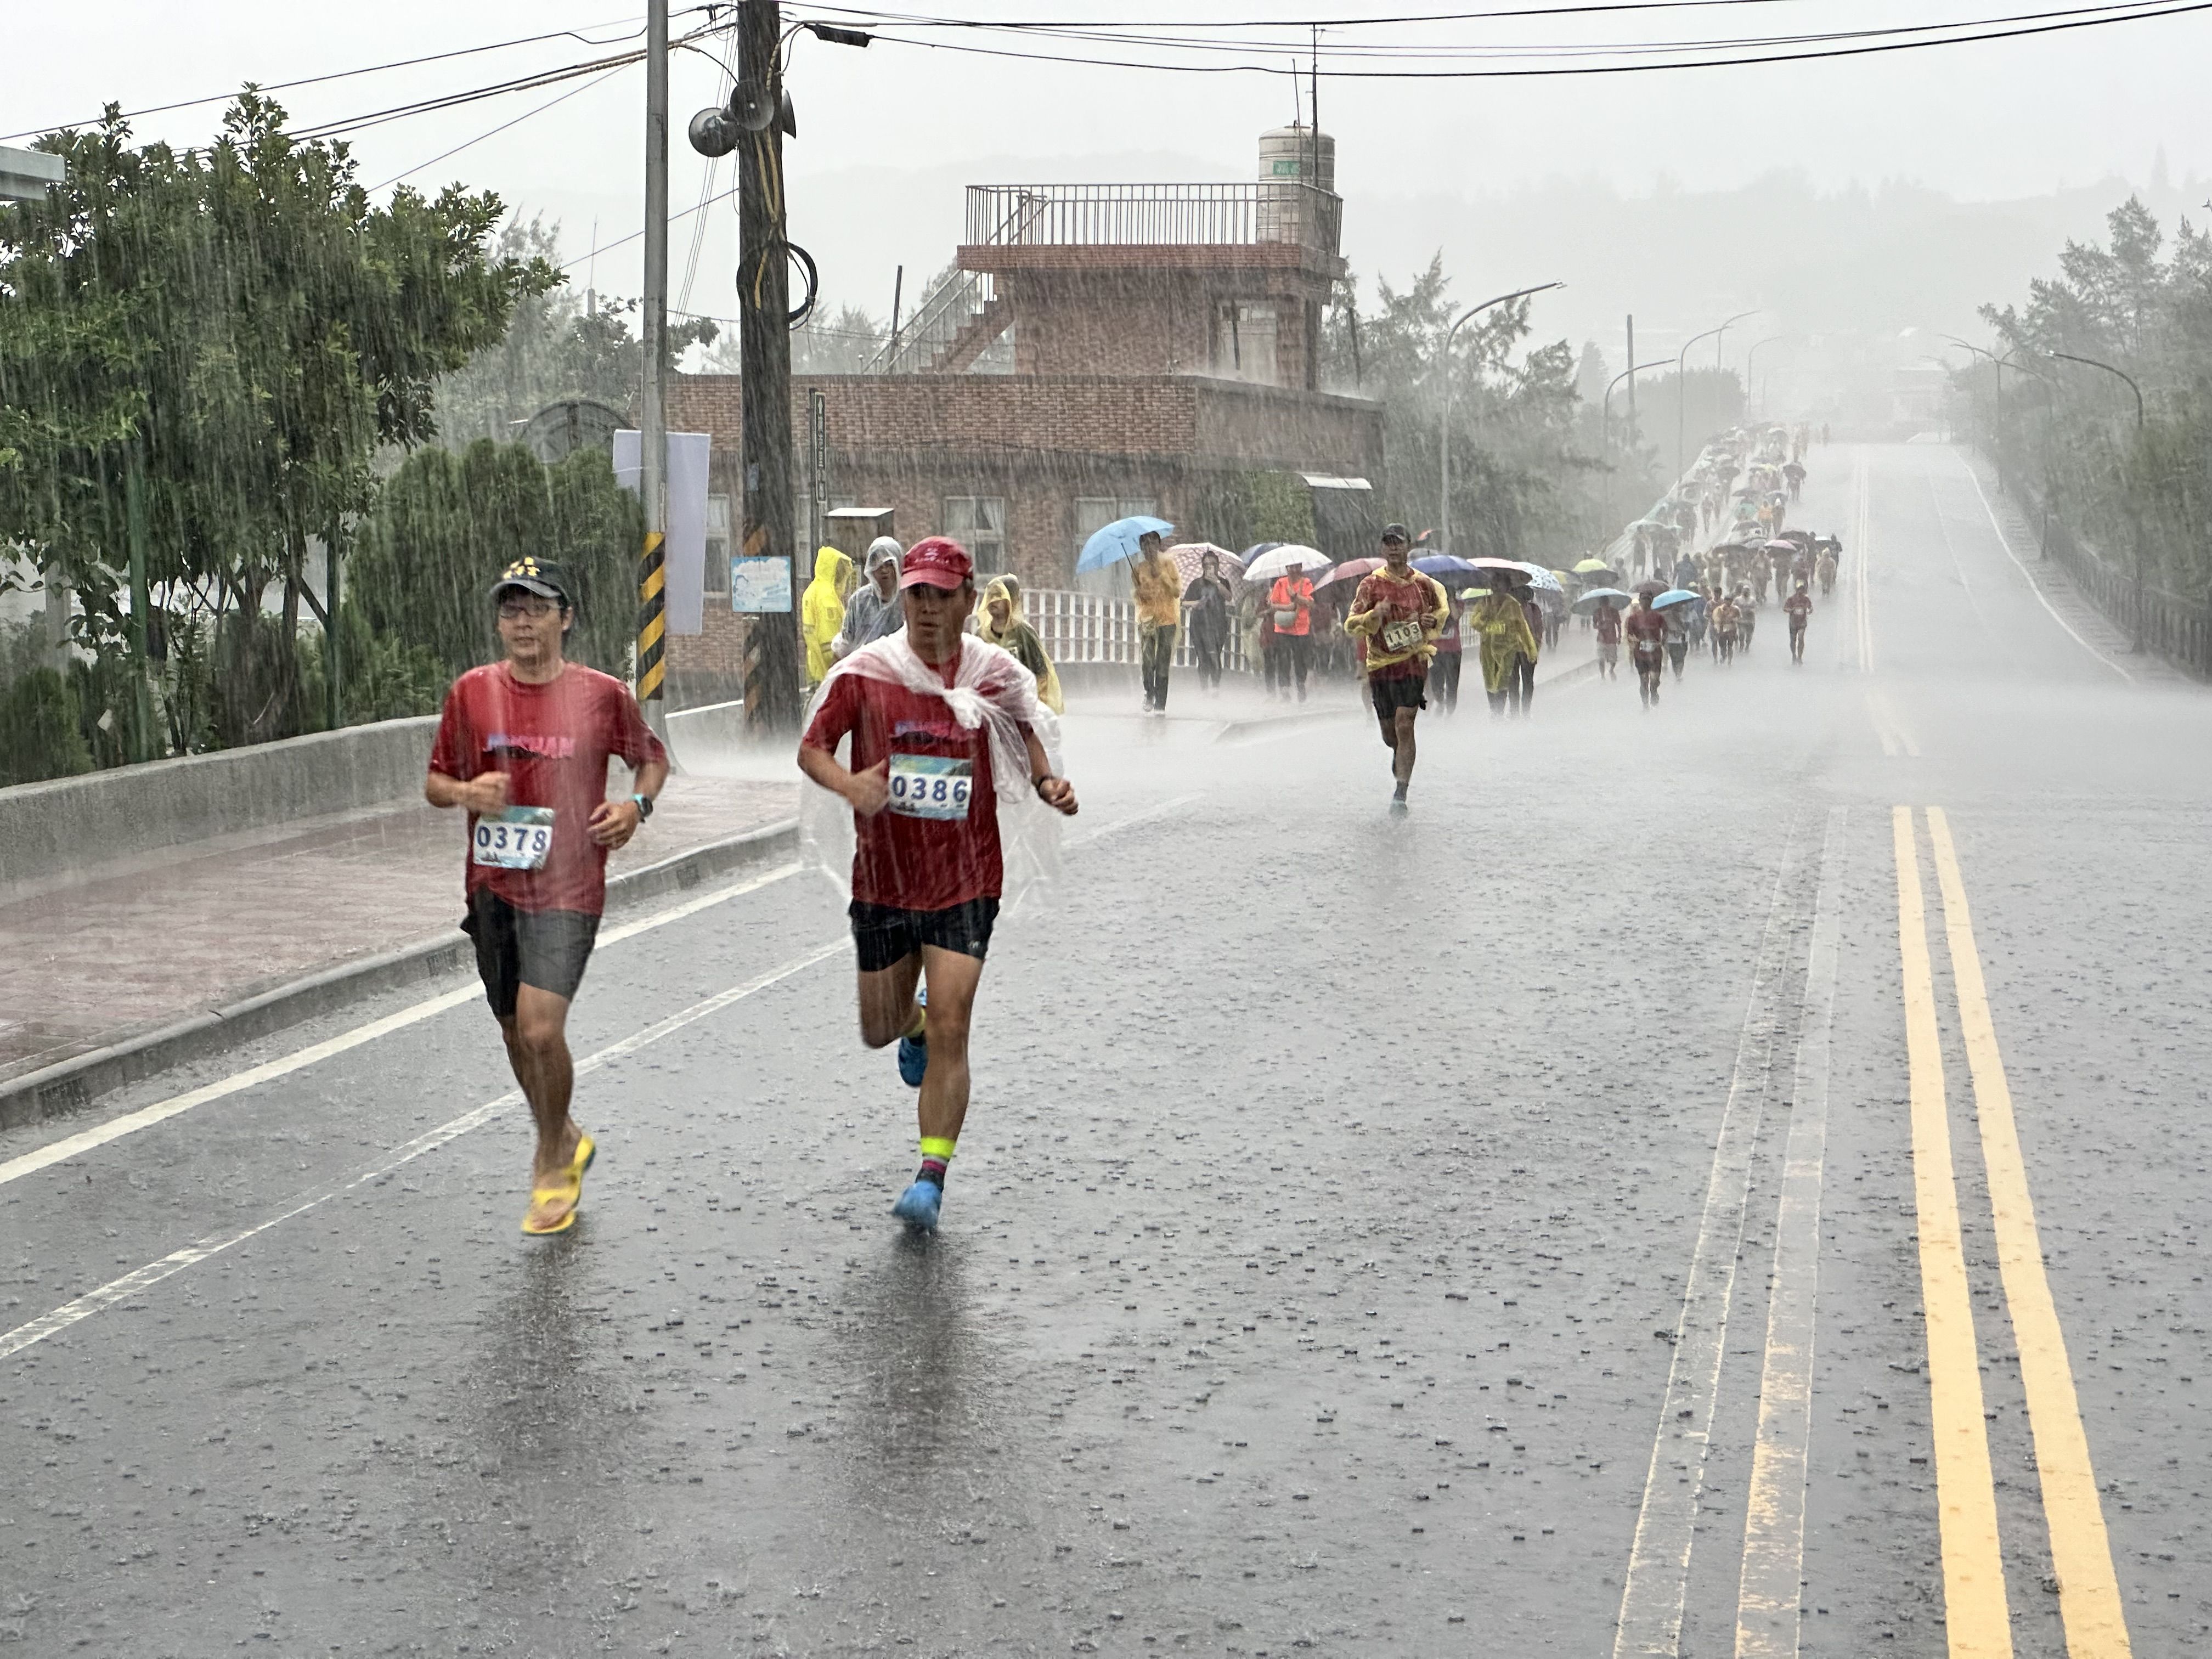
(1750, 358)
(1681, 391)
(1444, 432)
(1605, 424)
(2135, 517)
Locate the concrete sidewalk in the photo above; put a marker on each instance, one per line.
(96, 958)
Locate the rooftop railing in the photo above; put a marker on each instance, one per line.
(1090, 215)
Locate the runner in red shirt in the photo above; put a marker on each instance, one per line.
(1399, 613)
(1608, 621)
(927, 865)
(524, 746)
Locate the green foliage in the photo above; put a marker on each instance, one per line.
(244, 322)
(2069, 431)
(385, 678)
(38, 735)
(1528, 478)
(446, 524)
(1243, 509)
(556, 344)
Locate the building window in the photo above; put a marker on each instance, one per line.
(718, 547)
(978, 523)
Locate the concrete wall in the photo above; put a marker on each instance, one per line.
(48, 829)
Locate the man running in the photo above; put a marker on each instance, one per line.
(1607, 618)
(1399, 613)
(1799, 608)
(523, 744)
(1678, 634)
(929, 867)
(1647, 647)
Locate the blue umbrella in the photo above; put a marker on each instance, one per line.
(1118, 541)
(1672, 596)
(1443, 564)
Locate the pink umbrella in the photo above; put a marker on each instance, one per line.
(1351, 571)
(1188, 557)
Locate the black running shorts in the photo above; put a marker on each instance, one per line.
(1400, 691)
(546, 948)
(884, 934)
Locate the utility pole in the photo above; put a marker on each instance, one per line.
(1631, 382)
(772, 659)
(1443, 430)
(653, 418)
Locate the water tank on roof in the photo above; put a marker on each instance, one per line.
(1291, 159)
(1297, 154)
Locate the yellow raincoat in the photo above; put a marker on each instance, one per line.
(1498, 619)
(1020, 638)
(822, 611)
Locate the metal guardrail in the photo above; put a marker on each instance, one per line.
(1089, 628)
(1089, 216)
(2173, 625)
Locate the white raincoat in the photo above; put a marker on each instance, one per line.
(990, 687)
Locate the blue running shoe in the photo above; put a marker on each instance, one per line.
(919, 1204)
(913, 1052)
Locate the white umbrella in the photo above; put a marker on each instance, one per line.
(1277, 562)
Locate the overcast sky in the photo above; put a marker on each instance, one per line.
(1986, 121)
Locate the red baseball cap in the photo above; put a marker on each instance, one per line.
(936, 561)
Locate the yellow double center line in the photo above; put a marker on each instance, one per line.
(1977, 1616)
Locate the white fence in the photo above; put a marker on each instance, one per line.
(1078, 628)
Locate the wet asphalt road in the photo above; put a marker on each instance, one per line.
(1314, 1265)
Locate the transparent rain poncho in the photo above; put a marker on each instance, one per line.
(990, 688)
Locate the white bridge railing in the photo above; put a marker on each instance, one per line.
(1079, 627)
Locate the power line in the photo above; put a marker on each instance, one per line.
(1430, 51)
(1975, 34)
(343, 74)
(501, 127)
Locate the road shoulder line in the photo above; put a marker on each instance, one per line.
(1769, 1593)
(1655, 1585)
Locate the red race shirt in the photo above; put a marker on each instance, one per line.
(914, 863)
(552, 741)
(1608, 625)
(1799, 608)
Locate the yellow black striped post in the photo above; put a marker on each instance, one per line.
(653, 601)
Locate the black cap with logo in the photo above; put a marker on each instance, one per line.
(1395, 533)
(534, 576)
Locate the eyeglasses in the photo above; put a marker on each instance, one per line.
(513, 610)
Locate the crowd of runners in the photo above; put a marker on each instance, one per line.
(932, 740)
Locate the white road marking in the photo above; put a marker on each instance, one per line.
(1769, 1593)
(121, 1290)
(1862, 598)
(1658, 1576)
(161, 1111)
(2035, 586)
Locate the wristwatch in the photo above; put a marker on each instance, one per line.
(644, 807)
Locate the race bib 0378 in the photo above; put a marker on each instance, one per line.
(517, 838)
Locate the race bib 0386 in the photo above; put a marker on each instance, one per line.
(931, 786)
(517, 838)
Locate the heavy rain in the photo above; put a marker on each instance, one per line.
(1230, 829)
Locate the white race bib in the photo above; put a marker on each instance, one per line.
(516, 838)
(1401, 635)
(931, 786)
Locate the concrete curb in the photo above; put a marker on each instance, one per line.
(71, 1084)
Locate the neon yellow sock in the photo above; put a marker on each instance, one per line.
(936, 1154)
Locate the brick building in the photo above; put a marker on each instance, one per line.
(1100, 350)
